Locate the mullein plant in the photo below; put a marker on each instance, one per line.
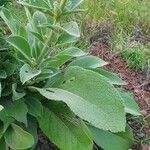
(46, 83)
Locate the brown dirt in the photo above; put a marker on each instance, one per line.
(138, 84)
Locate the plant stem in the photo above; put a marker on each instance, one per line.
(45, 49)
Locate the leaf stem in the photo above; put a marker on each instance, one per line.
(45, 48)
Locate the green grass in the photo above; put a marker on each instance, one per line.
(130, 23)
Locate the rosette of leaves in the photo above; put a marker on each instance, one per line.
(49, 84)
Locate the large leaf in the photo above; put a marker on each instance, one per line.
(27, 73)
(35, 107)
(110, 77)
(17, 110)
(17, 95)
(42, 5)
(9, 20)
(131, 106)
(88, 62)
(7, 120)
(73, 52)
(62, 127)
(71, 28)
(12, 23)
(110, 141)
(95, 101)
(39, 18)
(9, 68)
(64, 56)
(65, 39)
(107, 105)
(17, 138)
(21, 45)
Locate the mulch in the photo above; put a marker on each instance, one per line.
(137, 82)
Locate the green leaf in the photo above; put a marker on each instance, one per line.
(17, 138)
(110, 141)
(73, 52)
(110, 77)
(3, 145)
(1, 107)
(7, 120)
(107, 110)
(16, 95)
(35, 107)
(131, 106)
(27, 73)
(3, 74)
(39, 18)
(66, 39)
(12, 23)
(72, 4)
(64, 56)
(32, 129)
(9, 20)
(41, 5)
(9, 68)
(17, 110)
(100, 104)
(21, 45)
(88, 62)
(70, 28)
(62, 127)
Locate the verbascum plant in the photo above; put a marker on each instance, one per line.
(64, 92)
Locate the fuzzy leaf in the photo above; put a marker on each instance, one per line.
(9, 68)
(27, 73)
(88, 62)
(62, 127)
(131, 106)
(110, 77)
(107, 110)
(110, 141)
(65, 39)
(7, 120)
(17, 110)
(97, 101)
(17, 138)
(35, 107)
(41, 5)
(73, 52)
(12, 23)
(21, 45)
(16, 95)
(71, 28)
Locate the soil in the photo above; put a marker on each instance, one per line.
(137, 83)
